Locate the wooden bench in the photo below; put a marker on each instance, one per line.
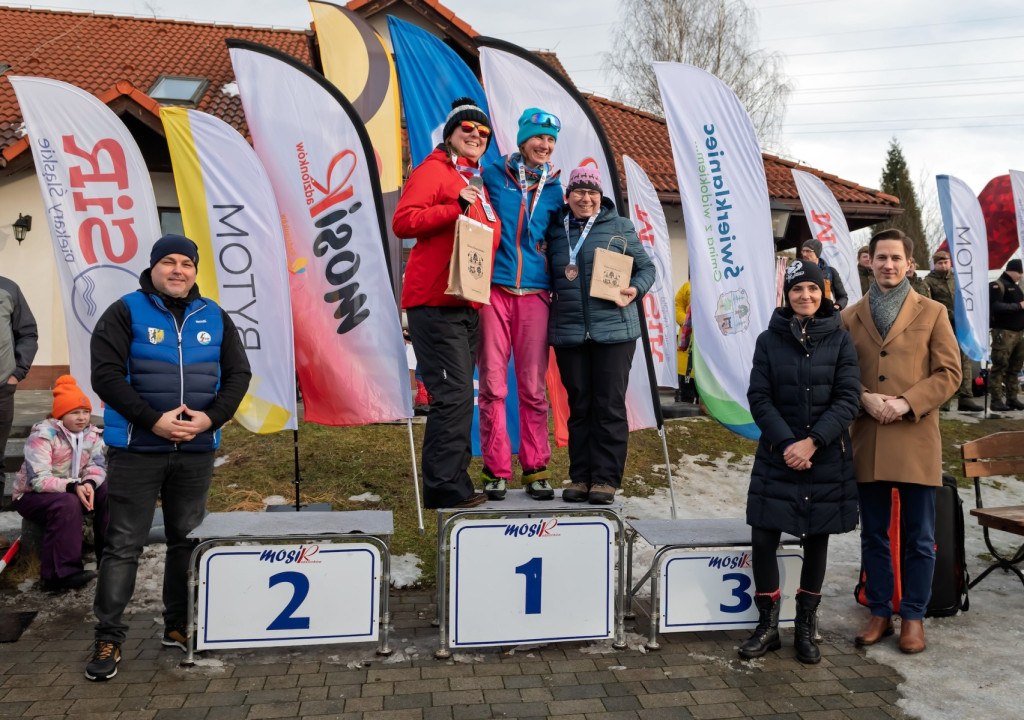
(997, 454)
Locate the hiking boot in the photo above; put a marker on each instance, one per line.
(105, 657)
(537, 486)
(494, 486)
(472, 501)
(576, 492)
(69, 582)
(1015, 404)
(998, 404)
(602, 495)
(969, 405)
(174, 636)
(766, 635)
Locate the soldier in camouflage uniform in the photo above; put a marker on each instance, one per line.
(1006, 318)
(864, 271)
(942, 286)
(916, 283)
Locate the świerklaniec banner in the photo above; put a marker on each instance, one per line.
(728, 234)
(99, 205)
(828, 226)
(228, 209)
(964, 224)
(349, 351)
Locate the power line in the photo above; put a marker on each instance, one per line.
(890, 70)
(892, 100)
(890, 120)
(904, 46)
(902, 129)
(876, 30)
(923, 83)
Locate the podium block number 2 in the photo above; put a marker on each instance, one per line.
(300, 587)
(532, 572)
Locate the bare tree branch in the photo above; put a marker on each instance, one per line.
(719, 36)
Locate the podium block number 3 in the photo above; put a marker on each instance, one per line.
(532, 572)
(740, 592)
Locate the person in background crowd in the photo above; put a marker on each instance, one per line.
(909, 365)
(526, 191)
(687, 390)
(1006, 318)
(834, 290)
(171, 370)
(60, 481)
(594, 339)
(864, 269)
(445, 329)
(917, 284)
(803, 481)
(942, 288)
(19, 341)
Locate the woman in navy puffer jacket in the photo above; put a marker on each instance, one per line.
(804, 393)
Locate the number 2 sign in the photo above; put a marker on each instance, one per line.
(277, 595)
(515, 581)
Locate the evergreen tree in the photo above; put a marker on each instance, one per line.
(896, 181)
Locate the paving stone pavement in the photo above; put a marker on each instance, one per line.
(694, 675)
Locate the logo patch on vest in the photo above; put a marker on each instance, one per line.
(203, 338)
(156, 336)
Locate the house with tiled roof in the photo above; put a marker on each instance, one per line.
(136, 64)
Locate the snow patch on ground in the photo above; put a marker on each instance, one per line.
(405, 570)
(366, 497)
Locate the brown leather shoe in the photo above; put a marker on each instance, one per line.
(472, 501)
(877, 628)
(912, 636)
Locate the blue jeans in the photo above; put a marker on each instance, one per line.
(134, 481)
(917, 512)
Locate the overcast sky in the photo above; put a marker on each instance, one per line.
(945, 77)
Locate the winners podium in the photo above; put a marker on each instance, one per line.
(521, 570)
(279, 579)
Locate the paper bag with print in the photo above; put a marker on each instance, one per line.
(611, 271)
(469, 272)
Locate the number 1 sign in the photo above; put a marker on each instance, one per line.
(515, 581)
(277, 595)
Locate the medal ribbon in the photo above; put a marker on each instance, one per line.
(575, 249)
(524, 188)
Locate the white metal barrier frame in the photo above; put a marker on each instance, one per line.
(517, 504)
(683, 534)
(218, 529)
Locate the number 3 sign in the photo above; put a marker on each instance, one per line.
(276, 595)
(714, 590)
(515, 581)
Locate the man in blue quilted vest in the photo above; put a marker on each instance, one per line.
(170, 369)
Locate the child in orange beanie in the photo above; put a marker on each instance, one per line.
(60, 480)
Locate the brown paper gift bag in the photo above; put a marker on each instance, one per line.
(611, 271)
(469, 272)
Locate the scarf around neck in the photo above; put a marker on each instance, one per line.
(886, 306)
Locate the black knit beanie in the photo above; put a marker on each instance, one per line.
(464, 108)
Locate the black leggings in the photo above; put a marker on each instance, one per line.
(766, 568)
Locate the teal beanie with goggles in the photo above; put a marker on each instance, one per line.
(535, 121)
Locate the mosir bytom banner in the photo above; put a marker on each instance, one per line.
(99, 205)
(964, 224)
(828, 226)
(1017, 183)
(349, 351)
(228, 209)
(728, 234)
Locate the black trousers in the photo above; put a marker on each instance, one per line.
(445, 340)
(595, 376)
(766, 567)
(6, 421)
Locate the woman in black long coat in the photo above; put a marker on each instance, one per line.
(804, 393)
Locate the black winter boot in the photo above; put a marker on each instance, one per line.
(766, 634)
(806, 625)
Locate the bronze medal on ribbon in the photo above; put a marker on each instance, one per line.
(572, 271)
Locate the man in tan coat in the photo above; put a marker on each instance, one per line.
(909, 365)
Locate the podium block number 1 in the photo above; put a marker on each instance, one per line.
(515, 581)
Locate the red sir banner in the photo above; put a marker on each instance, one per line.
(99, 204)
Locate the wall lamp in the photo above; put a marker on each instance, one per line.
(21, 227)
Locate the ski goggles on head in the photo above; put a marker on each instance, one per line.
(469, 126)
(545, 120)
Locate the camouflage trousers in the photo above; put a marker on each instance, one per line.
(966, 389)
(1007, 359)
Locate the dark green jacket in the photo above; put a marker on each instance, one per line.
(575, 316)
(942, 286)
